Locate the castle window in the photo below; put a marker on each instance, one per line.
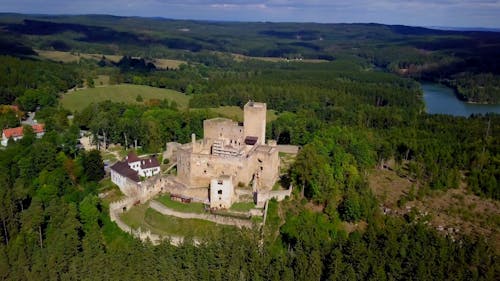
(219, 192)
(219, 182)
(261, 168)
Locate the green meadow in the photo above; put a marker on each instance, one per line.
(126, 93)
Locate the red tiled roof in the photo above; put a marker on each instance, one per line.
(18, 131)
(38, 128)
(122, 168)
(13, 132)
(132, 157)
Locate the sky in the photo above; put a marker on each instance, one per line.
(451, 13)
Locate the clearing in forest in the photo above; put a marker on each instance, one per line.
(74, 56)
(453, 211)
(126, 93)
(239, 57)
(68, 57)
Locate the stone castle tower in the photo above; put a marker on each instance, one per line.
(255, 121)
(229, 148)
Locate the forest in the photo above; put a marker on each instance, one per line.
(352, 114)
(460, 59)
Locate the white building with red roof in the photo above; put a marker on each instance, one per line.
(17, 133)
(127, 173)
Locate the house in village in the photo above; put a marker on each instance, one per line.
(17, 133)
(127, 173)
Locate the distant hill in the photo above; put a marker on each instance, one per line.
(437, 53)
(482, 29)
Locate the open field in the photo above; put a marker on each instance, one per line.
(239, 57)
(236, 113)
(72, 56)
(167, 63)
(127, 93)
(75, 57)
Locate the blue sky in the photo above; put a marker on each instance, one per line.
(456, 13)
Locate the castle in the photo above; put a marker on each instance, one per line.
(230, 154)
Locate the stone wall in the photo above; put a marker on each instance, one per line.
(218, 128)
(209, 217)
(116, 208)
(279, 195)
(196, 170)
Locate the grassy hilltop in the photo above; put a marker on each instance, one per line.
(126, 93)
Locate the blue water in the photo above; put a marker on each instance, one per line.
(440, 99)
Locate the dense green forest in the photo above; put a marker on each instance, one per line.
(458, 58)
(352, 113)
(55, 227)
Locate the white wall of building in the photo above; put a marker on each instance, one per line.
(221, 193)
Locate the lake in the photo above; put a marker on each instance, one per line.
(440, 99)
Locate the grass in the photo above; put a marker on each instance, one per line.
(134, 217)
(126, 93)
(182, 227)
(112, 191)
(273, 220)
(239, 57)
(101, 80)
(108, 156)
(166, 63)
(75, 57)
(115, 153)
(236, 113)
(242, 206)
(181, 207)
(146, 218)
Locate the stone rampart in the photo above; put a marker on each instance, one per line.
(209, 217)
(116, 208)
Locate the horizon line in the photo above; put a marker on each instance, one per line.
(433, 27)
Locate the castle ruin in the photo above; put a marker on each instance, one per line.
(230, 154)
